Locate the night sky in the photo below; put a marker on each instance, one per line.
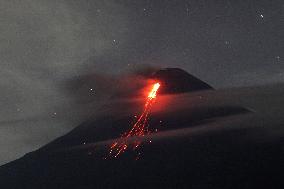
(45, 44)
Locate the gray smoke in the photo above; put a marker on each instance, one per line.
(44, 44)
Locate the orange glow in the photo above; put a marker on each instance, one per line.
(140, 128)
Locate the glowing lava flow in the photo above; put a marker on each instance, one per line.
(140, 128)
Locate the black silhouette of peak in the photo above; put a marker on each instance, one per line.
(176, 80)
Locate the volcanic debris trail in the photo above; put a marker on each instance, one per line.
(140, 127)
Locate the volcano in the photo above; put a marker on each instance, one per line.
(176, 80)
(206, 139)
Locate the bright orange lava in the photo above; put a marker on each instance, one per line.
(154, 90)
(140, 128)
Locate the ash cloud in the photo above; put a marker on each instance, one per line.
(92, 86)
(45, 45)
